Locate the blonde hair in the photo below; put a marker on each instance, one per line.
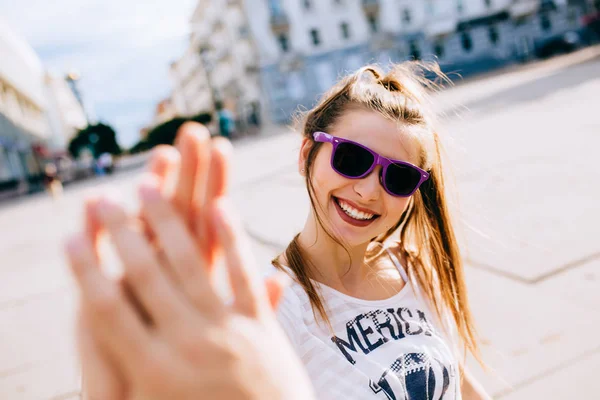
(424, 235)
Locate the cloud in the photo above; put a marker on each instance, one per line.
(121, 48)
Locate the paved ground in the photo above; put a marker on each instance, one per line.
(524, 151)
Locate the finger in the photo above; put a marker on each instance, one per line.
(275, 286)
(92, 226)
(221, 153)
(193, 145)
(249, 294)
(184, 259)
(116, 326)
(217, 186)
(164, 164)
(100, 377)
(150, 287)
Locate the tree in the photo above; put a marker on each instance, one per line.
(99, 138)
(165, 133)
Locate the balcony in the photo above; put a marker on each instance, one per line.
(280, 23)
(522, 8)
(370, 7)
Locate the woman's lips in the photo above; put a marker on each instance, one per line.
(349, 219)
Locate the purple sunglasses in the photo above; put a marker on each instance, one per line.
(355, 161)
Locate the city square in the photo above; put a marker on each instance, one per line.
(522, 144)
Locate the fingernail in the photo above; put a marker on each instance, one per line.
(149, 190)
(107, 205)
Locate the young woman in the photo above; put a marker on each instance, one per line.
(378, 306)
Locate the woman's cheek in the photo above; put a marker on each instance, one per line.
(396, 208)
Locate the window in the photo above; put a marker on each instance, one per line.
(284, 42)
(406, 16)
(545, 22)
(243, 31)
(307, 4)
(415, 52)
(467, 42)
(493, 34)
(438, 48)
(460, 7)
(316, 39)
(345, 28)
(373, 23)
(488, 3)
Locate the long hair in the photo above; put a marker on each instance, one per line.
(424, 235)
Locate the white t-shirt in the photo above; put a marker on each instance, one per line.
(384, 349)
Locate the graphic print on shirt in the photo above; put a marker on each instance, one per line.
(413, 373)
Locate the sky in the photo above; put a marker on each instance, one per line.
(121, 48)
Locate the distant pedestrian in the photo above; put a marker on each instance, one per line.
(226, 121)
(52, 181)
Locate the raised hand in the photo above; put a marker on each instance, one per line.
(165, 333)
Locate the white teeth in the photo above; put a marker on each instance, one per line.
(353, 212)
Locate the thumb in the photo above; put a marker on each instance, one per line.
(276, 285)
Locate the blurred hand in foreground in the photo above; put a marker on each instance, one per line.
(162, 331)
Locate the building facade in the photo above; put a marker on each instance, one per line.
(24, 128)
(305, 45)
(220, 66)
(66, 114)
(191, 91)
(165, 111)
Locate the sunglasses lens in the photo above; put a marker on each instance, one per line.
(352, 160)
(401, 179)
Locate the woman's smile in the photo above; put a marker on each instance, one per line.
(352, 214)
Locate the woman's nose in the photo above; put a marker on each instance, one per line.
(369, 188)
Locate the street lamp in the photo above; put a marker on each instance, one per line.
(73, 79)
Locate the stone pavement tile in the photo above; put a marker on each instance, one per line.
(258, 161)
(275, 210)
(526, 332)
(31, 273)
(35, 333)
(57, 378)
(522, 185)
(577, 380)
(526, 234)
(579, 285)
(538, 213)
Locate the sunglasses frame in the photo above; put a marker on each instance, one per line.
(378, 160)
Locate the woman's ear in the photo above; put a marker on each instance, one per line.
(303, 156)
